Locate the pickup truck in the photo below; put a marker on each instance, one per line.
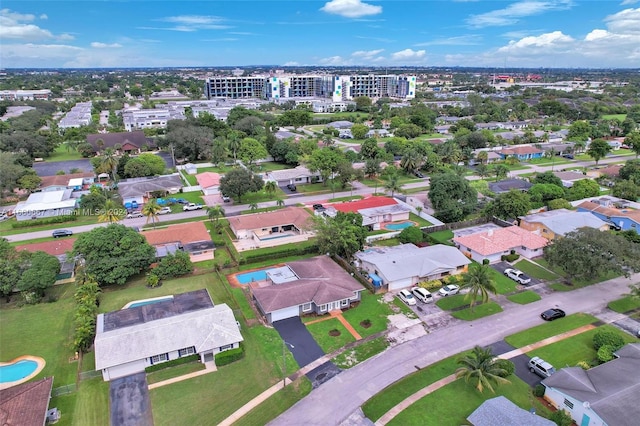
(191, 206)
(517, 276)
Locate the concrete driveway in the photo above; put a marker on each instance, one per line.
(501, 266)
(129, 401)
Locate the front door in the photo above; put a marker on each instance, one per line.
(585, 420)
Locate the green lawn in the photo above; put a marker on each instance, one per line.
(620, 117)
(452, 404)
(409, 191)
(561, 286)
(372, 308)
(314, 188)
(343, 199)
(548, 329)
(535, 271)
(452, 302)
(402, 307)
(389, 242)
(503, 284)
(271, 166)
(92, 403)
(192, 197)
(260, 197)
(61, 154)
(421, 222)
(478, 311)
(626, 304)
(320, 332)
(360, 353)
(176, 371)
(570, 351)
(524, 297)
(443, 237)
(7, 229)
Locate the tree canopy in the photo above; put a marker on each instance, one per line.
(511, 204)
(342, 235)
(238, 182)
(452, 197)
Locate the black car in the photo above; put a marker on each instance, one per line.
(552, 314)
(318, 207)
(420, 175)
(292, 187)
(62, 233)
(569, 156)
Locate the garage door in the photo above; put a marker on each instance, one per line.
(281, 314)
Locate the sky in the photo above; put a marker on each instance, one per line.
(184, 33)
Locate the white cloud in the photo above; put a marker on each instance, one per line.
(379, 39)
(465, 40)
(351, 8)
(220, 39)
(547, 41)
(18, 26)
(626, 21)
(409, 55)
(43, 17)
(514, 12)
(191, 23)
(628, 2)
(333, 60)
(98, 45)
(291, 64)
(366, 54)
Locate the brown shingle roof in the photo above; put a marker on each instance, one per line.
(184, 233)
(60, 180)
(136, 139)
(25, 404)
(287, 216)
(521, 150)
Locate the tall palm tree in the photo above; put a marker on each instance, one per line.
(501, 171)
(393, 185)
(215, 213)
(481, 368)
(150, 210)
(279, 202)
(109, 162)
(479, 282)
(234, 139)
(327, 140)
(253, 206)
(270, 187)
(112, 212)
(482, 157)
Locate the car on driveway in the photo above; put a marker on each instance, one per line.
(291, 187)
(134, 214)
(541, 367)
(165, 210)
(192, 206)
(61, 233)
(449, 290)
(407, 297)
(552, 314)
(517, 275)
(422, 294)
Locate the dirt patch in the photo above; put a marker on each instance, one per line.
(365, 324)
(334, 333)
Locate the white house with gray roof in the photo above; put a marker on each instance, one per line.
(406, 264)
(558, 223)
(138, 189)
(501, 411)
(604, 395)
(129, 340)
(297, 175)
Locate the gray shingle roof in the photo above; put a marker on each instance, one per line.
(142, 186)
(563, 221)
(509, 184)
(501, 411)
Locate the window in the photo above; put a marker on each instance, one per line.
(544, 230)
(306, 307)
(345, 302)
(187, 351)
(226, 347)
(568, 404)
(323, 308)
(159, 358)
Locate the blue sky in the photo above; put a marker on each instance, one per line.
(151, 33)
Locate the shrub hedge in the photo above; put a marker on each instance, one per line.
(227, 357)
(292, 251)
(602, 338)
(44, 221)
(172, 363)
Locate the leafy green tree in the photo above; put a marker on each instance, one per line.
(511, 205)
(411, 234)
(39, 276)
(113, 253)
(544, 192)
(501, 171)
(372, 168)
(633, 141)
(582, 189)
(29, 181)
(251, 126)
(342, 235)
(12, 264)
(558, 203)
(363, 103)
(93, 202)
(251, 150)
(598, 149)
(219, 151)
(452, 197)
(579, 130)
(588, 253)
(296, 118)
(561, 418)
(481, 368)
(325, 161)
(408, 131)
(547, 178)
(238, 182)
(144, 165)
(626, 189)
(173, 265)
(359, 131)
(369, 148)
(393, 184)
(479, 282)
(630, 171)
(150, 210)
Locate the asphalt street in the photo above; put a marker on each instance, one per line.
(347, 391)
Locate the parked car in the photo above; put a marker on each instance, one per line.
(61, 233)
(292, 187)
(134, 214)
(552, 314)
(569, 156)
(418, 174)
(517, 275)
(318, 206)
(226, 198)
(541, 367)
(165, 210)
(422, 294)
(449, 290)
(192, 206)
(407, 297)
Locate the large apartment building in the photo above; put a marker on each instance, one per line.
(337, 88)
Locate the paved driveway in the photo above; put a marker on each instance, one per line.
(501, 266)
(305, 349)
(129, 401)
(521, 363)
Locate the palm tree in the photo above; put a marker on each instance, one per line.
(215, 213)
(150, 210)
(635, 291)
(279, 202)
(409, 162)
(327, 140)
(482, 157)
(481, 368)
(393, 185)
(112, 212)
(270, 187)
(501, 171)
(479, 282)
(580, 146)
(109, 162)
(234, 144)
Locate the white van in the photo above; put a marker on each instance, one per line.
(541, 367)
(422, 294)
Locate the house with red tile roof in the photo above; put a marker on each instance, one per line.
(209, 182)
(625, 218)
(191, 237)
(269, 229)
(26, 404)
(375, 211)
(522, 153)
(494, 243)
(62, 182)
(59, 248)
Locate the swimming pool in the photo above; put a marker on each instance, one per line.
(274, 236)
(248, 277)
(138, 303)
(400, 226)
(17, 371)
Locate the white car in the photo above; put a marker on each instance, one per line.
(192, 206)
(449, 290)
(165, 210)
(407, 297)
(135, 214)
(422, 294)
(517, 276)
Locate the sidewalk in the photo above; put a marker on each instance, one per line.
(209, 367)
(394, 411)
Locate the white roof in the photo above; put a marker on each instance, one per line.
(205, 329)
(300, 171)
(75, 182)
(563, 221)
(48, 200)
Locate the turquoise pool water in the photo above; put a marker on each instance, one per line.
(17, 371)
(247, 277)
(399, 226)
(274, 236)
(148, 302)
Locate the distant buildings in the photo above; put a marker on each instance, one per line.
(23, 95)
(80, 115)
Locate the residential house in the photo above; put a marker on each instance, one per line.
(507, 185)
(192, 238)
(406, 264)
(26, 404)
(375, 211)
(75, 181)
(569, 178)
(317, 285)
(268, 229)
(494, 243)
(443, 129)
(296, 176)
(59, 248)
(46, 204)
(492, 157)
(611, 171)
(342, 124)
(129, 340)
(377, 133)
(209, 182)
(503, 412)
(522, 153)
(624, 218)
(603, 395)
(123, 142)
(558, 148)
(558, 223)
(138, 190)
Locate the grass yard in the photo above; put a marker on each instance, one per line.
(524, 297)
(561, 286)
(403, 308)
(314, 188)
(192, 197)
(61, 154)
(443, 237)
(343, 199)
(421, 222)
(548, 329)
(409, 191)
(626, 304)
(271, 166)
(372, 308)
(260, 197)
(389, 242)
(452, 404)
(361, 352)
(7, 229)
(535, 271)
(320, 332)
(478, 311)
(568, 352)
(92, 403)
(620, 117)
(503, 283)
(176, 371)
(452, 302)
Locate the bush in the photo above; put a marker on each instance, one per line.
(431, 285)
(539, 390)
(509, 257)
(153, 280)
(605, 353)
(485, 261)
(411, 234)
(561, 418)
(172, 363)
(609, 338)
(174, 265)
(44, 221)
(584, 365)
(508, 367)
(272, 255)
(227, 357)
